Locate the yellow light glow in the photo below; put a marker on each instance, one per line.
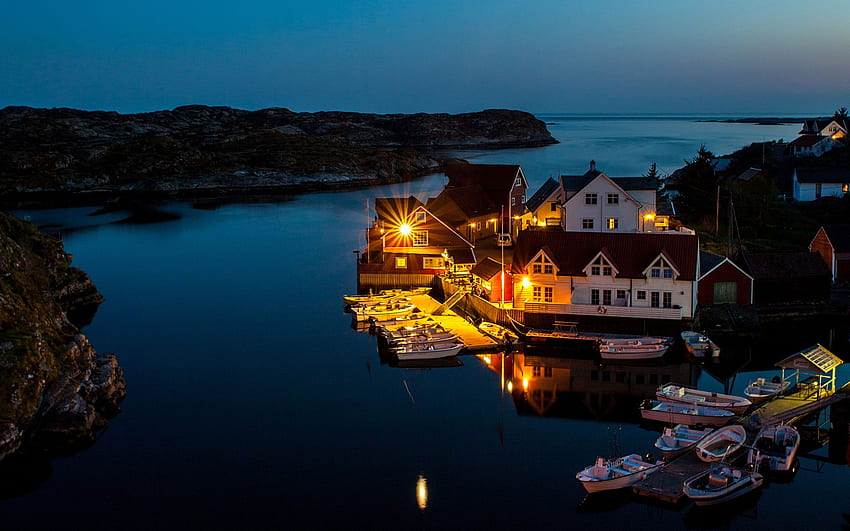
(525, 384)
(510, 386)
(649, 216)
(526, 282)
(541, 223)
(486, 359)
(405, 229)
(516, 217)
(493, 221)
(422, 492)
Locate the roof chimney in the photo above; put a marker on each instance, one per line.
(592, 165)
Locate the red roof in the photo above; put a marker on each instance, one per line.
(807, 140)
(631, 252)
(489, 176)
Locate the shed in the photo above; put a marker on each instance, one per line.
(722, 281)
(832, 243)
(788, 277)
(814, 362)
(488, 274)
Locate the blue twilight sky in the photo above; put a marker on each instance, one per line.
(681, 56)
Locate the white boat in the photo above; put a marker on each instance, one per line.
(677, 393)
(698, 345)
(776, 447)
(411, 331)
(383, 295)
(721, 483)
(382, 311)
(680, 413)
(632, 352)
(679, 438)
(721, 443)
(760, 389)
(424, 339)
(394, 323)
(616, 473)
(427, 351)
(498, 333)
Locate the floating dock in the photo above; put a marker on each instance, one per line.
(474, 340)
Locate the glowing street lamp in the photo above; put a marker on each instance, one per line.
(405, 229)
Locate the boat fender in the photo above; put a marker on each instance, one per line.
(601, 309)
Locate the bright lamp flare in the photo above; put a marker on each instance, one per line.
(405, 229)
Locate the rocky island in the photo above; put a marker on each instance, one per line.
(218, 151)
(55, 390)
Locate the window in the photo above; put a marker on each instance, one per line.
(641, 295)
(420, 238)
(661, 269)
(401, 262)
(668, 273)
(589, 199)
(594, 270)
(518, 181)
(656, 272)
(548, 294)
(587, 224)
(542, 265)
(613, 199)
(606, 297)
(553, 207)
(606, 271)
(431, 262)
(667, 299)
(548, 269)
(536, 268)
(535, 293)
(513, 201)
(613, 223)
(601, 267)
(621, 294)
(535, 371)
(420, 217)
(654, 299)
(594, 296)
(547, 372)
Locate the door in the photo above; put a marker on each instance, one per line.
(725, 292)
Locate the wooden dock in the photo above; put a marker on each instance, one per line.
(667, 484)
(474, 340)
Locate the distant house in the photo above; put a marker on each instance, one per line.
(832, 243)
(810, 183)
(615, 274)
(491, 277)
(481, 199)
(825, 127)
(818, 136)
(721, 281)
(810, 145)
(544, 208)
(788, 277)
(409, 244)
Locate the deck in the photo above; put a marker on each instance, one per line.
(472, 338)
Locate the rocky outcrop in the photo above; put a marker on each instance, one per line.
(55, 390)
(208, 149)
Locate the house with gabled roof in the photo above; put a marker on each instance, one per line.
(408, 245)
(722, 281)
(787, 277)
(811, 183)
(810, 145)
(493, 279)
(615, 274)
(544, 208)
(481, 199)
(832, 243)
(825, 127)
(818, 136)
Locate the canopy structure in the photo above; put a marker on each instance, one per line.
(816, 362)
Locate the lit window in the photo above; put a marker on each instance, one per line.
(537, 268)
(401, 262)
(613, 199)
(587, 224)
(845, 187)
(535, 371)
(513, 201)
(589, 199)
(535, 293)
(420, 238)
(548, 294)
(548, 269)
(433, 262)
(613, 223)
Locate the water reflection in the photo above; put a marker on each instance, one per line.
(422, 492)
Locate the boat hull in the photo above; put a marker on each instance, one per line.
(671, 413)
(721, 443)
(701, 492)
(428, 354)
(616, 473)
(686, 395)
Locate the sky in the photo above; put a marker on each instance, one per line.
(598, 56)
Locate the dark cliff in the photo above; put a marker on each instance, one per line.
(219, 148)
(55, 390)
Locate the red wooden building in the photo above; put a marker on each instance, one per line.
(490, 278)
(721, 281)
(832, 243)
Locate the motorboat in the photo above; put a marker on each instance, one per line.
(412, 331)
(681, 413)
(633, 349)
(721, 443)
(394, 323)
(382, 311)
(384, 295)
(616, 473)
(760, 389)
(775, 447)
(698, 345)
(561, 332)
(437, 337)
(721, 483)
(427, 351)
(498, 333)
(677, 393)
(679, 438)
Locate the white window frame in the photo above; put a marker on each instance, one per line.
(401, 262)
(419, 238)
(613, 199)
(612, 223)
(433, 262)
(594, 296)
(420, 217)
(591, 199)
(587, 224)
(548, 293)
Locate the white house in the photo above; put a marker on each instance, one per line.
(545, 207)
(813, 183)
(616, 274)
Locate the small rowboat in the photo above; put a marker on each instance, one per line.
(383, 295)
(633, 349)
(760, 389)
(616, 473)
(498, 333)
(427, 351)
(677, 393)
(382, 311)
(721, 443)
(698, 345)
(679, 413)
(673, 441)
(775, 446)
(721, 483)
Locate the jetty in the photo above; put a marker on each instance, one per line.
(814, 375)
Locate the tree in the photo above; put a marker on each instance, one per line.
(840, 114)
(697, 188)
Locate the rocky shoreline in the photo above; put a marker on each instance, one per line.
(56, 392)
(200, 151)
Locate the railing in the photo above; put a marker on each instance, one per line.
(606, 311)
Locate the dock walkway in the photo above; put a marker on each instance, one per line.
(472, 338)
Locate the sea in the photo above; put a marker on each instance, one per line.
(252, 402)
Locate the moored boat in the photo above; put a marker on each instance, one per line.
(721, 443)
(775, 447)
(760, 389)
(616, 473)
(721, 483)
(382, 311)
(633, 349)
(677, 393)
(384, 295)
(680, 413)
(498, 333)
(699, 345)
(423, 339)
(679, 438)
(427, 351)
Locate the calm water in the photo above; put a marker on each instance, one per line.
(253, 404)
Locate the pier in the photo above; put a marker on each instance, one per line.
(474, 340)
